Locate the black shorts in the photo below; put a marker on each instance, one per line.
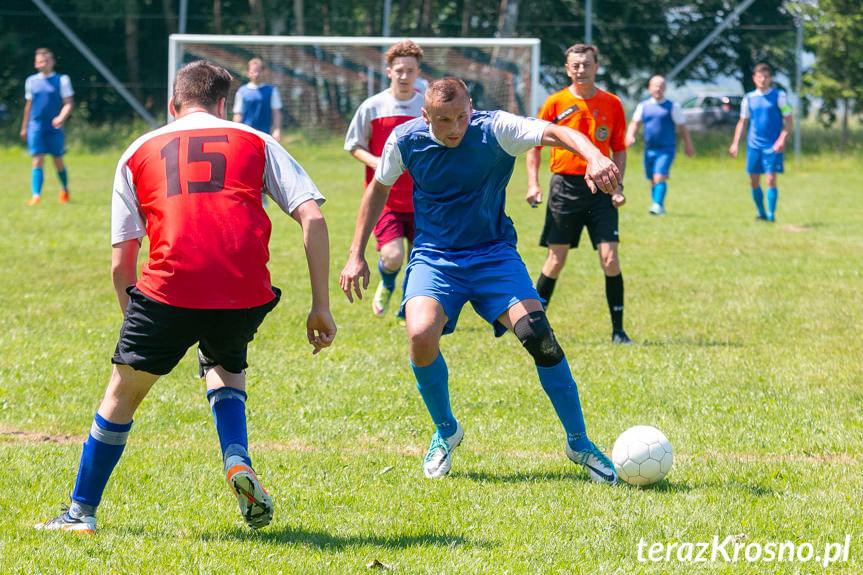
(154, 336)
(571, 206)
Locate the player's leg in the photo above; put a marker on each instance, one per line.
(754, 168)
(222, 355)
(772, 195)
(37, 173)
(63, 176)
(661, 169)
(390, 243)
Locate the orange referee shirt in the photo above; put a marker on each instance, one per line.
(600, 118)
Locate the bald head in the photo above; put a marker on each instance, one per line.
(447, 110)
(445, 91)
(656, 87)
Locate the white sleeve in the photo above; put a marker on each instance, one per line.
(517, 134)
(677, 114)
(285, 180)
(276, 100)
(127, 219)
(782, 102)
(28, 92)
(639, 111)
(66, 90)
(238, 101)
(391, 165)
(359, 131)
(744, 107)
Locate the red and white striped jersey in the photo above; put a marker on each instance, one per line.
(194, 187)
(370, 128)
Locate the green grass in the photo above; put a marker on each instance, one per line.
(750, 363)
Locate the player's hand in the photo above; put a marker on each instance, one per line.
(533, 196)
(349, 280)
(602, 174)
(618, 199)
(57, 123)
(23, 133)
(629, 141)
(277, 134)
(733, 150)
(320, 328)
(690, 150)
(779, 146)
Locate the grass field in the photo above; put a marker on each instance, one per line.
(750, 362)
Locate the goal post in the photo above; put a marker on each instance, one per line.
(323, 79)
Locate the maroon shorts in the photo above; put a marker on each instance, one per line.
(394, 225)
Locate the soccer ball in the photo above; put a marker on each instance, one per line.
(642, 455)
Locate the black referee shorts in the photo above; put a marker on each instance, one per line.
(154, 336)
(571, 207)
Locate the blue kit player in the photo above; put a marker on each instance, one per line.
(258, 104)
(768, 115)
(465, 251)
(48, 104)
(661, 119)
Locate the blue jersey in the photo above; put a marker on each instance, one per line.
(765, 113)
(658, 125)
(459, 193)
(256, 104)
(46, 95)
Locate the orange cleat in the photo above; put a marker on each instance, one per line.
(64, 197)
(34, 199)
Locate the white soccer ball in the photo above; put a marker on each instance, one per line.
(642, 455)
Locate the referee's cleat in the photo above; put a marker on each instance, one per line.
(65, 522)
(621, 338)
(256, 506)
(438, 459)
(598, 466)
(381, 300)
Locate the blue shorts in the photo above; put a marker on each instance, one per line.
(658, 161)
(40, 142)
(492, 278)
(764, 162)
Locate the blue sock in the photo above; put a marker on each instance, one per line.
(37, 176)
(758, 198)
(433, 383)
(772, 198)
(562, 390)
(659, 193)
(102, 451)
(388, 277)
(64, 178)
(229, 413)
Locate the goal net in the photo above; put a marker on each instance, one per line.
(322, 80)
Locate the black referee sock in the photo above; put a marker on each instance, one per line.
(545, 286)
(614, 295)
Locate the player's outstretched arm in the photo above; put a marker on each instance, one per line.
(320, 327)
(356, 267)
(601, 172)
(124, 269)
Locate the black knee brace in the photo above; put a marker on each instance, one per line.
(535, 334)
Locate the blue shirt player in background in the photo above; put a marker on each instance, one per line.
(48, 97)
(661, 119)
(465, 251)
(257, 104)
(768, 115)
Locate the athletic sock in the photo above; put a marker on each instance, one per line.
(433, 384)
(659, 193)
(229, 414)
(64, 178)
(37, 176)
(614, 295)
(772, 198)
(545, 287)
(102, 451)
(562, 390)
(758, 198)
(387, 277)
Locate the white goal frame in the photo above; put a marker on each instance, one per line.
(176, 42)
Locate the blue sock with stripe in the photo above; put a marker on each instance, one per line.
(659, 193)
(562, 390)
(64, 178)
(388, 277)
(758, 198)
(229, 414)
(433, 384)
(102, 451)
(772, 198)
(37, 177)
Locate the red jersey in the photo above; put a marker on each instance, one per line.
(600, 118)
(194, 187)
(370, 128)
